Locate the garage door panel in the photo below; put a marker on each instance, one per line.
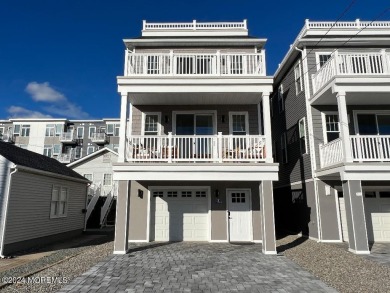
(378, 219)
(188, 217)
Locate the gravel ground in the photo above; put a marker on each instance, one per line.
(65, 271)
(338, 268)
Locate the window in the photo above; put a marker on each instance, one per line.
(238, 123)
(80, 132)
(238, 197)
(17, 129)
(332, 127)
(59, 202)
(370, 194)
(302, 135)
(283, 147)
(298, 78)
(384, 194)
(158, 194)
(373, 124)
(151, 124)
(172, 193)
(57, 149)
(186, 194)
(48, 150)
(88, 176)
(107, 179)
(322, 58)
(90, 150)
(200, 193)
(113, 129)
(50, 130)
(91, 131)
(280, 99)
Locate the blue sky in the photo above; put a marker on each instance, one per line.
(61, 58)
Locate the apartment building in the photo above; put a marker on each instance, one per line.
(63, 139)
(195, 160)
(330, 125)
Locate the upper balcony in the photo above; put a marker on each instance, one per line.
(7, 136)
(66, 158)
(352, 72)
(99, 137)
(185, 65)
(68, 137)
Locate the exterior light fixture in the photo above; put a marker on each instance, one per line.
(140, 193)
(217, 193)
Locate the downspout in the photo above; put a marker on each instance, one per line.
(310, 136)
(6, 210)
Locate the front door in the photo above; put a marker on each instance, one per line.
(239, 214)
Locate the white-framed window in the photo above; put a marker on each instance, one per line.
(90, 150)
(91, 131)
(151, 123)
(113, 129)
(59, 202)
(331, 126)
(280, 99)
(88, 176)
(283, 147)
(17, 128)
(107, 179)
(322, 58)
(298, 78)
(48, 150)
(57, 149)
(80, 132)
(22, 130)
(50, 130)
(302, 135)
(78, 152)
(238, 123)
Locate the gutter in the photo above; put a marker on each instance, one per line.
(6, 210)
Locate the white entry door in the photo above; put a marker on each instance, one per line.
(240, 216)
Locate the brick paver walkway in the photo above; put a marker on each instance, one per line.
(196, 267)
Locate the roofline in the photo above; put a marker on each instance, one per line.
(55, 175)
(91, 155)
(37, 119)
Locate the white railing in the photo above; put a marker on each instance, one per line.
(108, 203)
(194, 25)
(331, 153)
(196, 148)
(347, 24)
(99, 137)
(67, 136)
(95, 191)
(180, 64)
(370, 147)
(66, 158)
(352, 64)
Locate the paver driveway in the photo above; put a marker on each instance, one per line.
(196, 267)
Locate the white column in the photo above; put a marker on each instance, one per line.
(123, 128)
(267, 128)
(344, 128)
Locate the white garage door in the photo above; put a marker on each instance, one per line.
(179, 215)
(378, 217)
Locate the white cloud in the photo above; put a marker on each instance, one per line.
(20, 112)
(60, 105)
(42, 92)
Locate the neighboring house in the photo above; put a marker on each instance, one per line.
(41, 200)
(62, 139)
(330, 126)
(97, 167)
(195, 160)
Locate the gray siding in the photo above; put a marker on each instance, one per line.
(222, 110)
(4, 179)
(298, 167)
(29, 207)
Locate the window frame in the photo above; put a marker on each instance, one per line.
(104, 179)
(48, 148)
(93, 149)
(115, 127)
(318, 58)
(25, 130)
(59, 149)
(88, 174)
(355, 113)
(243, 113)
(144, 114)
(57, 213)
(89, 131)
(303, 119)
(17, 133)
(50, 130)
(82, 131)
(324, 130)
(298, 68)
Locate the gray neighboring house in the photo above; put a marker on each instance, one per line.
(330, 127)
(41, 200)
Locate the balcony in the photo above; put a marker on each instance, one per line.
(68, 137)
(66, 158)
(182, 65)
(99, 138)
(8, 137)
(364, 148)
(352, 64)
(196, 148)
